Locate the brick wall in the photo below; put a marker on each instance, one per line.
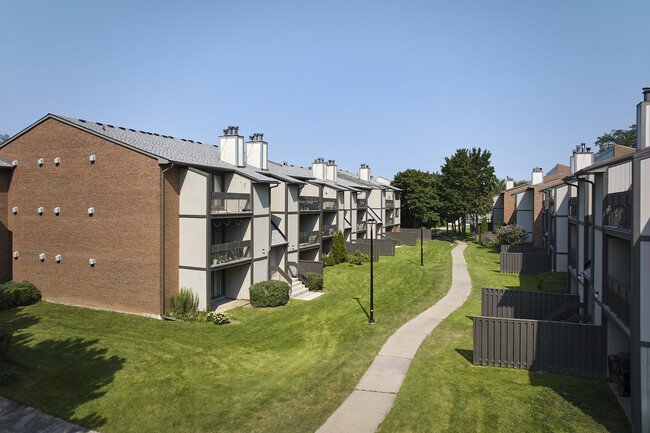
(123, 235)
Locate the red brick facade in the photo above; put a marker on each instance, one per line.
(123, 235)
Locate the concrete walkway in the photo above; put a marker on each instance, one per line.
(375, 393)
(15, 418)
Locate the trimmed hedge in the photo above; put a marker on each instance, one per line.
(17, 294)
(269, 294)
(314, 281)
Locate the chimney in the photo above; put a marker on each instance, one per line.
(364, 172)
(582, 157)
(643, 121)
(257, 152)
(331, 171)
(231, 147)
(318, 168)
(537, 176)
(510, 183)
(572, 163)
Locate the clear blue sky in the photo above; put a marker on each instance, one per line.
(394, 84)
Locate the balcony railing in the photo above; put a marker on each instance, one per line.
(330, 204)
(230, 252)
(361, 226)
(390, 220)
(618, 298)
(309, 238)
(329, 230)
(362, 203)
(573, 259)
(227, 202)
(390, 204)
(573, 207)
(617, 210)
(309, 203)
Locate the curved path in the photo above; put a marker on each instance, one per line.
(375, 393)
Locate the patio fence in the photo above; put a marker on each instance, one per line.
(381, 247)
(517, 259)
(522, 304)
(427, 233)
(405, 238)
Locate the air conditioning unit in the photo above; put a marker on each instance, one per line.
(42, 256)
(57, 160)
(92, 262)
(15, 254)
(14, 210)
(40, 211)
(58, 258)
(91, 211)
(92, 158)
(41, 161)
(57, 210)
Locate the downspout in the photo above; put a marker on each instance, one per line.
(268, 260)
(593, 236)
(569, 233)
(162, 239)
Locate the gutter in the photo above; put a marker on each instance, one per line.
(162, 235)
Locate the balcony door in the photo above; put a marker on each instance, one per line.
(218, 284)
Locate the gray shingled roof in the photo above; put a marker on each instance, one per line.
(5, 164)
(277, 238)
(173, 149)
(278, 171)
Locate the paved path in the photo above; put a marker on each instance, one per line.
(375, 393)
(15, 418)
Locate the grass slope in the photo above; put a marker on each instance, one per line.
(445, 392)
(282, 369)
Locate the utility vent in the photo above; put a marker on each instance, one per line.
(42, 256)
(91, 262)
(15, 163)
(57, 210)
(16, 254)
(57, 160)
(40, 211)
(91, 211)
(58, 258)
(41, 161)
(92, 158)
(14, 210)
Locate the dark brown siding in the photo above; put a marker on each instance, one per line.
(123, 235)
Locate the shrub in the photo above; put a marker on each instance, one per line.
(5, 342)
(314, 281)
(6, 300)
(184, 304)
(269, 294)
(358, 258)
(7, 377)
(338, 254)
(483, 229)
(20, 292)
(511, 234)
(489, 239)
(218, 318)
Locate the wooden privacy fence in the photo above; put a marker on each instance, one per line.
(558, 347)
(516, 259)
(427, 233)
(310, 266)
(381, 247)
(405, 238)
(521, 304)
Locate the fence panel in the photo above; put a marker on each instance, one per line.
(310, 266)
(381, 247)
(558, 347)
(518, 259)
(522, 304)
(406, 238)
(427, 233)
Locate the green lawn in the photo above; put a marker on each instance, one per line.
(282, 370)
(444, 392)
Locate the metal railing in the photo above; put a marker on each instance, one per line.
(617, 210)
(330, 204)
(228, 202)
(329, 230)
(390, 220)
(309, 203)
(230, 252)
(308, 238)
(618, 297)
(390, 204)
(573, 207)
(362, 203)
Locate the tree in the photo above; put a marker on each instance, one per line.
(468, 182)
(622, 137)
(419, 197)
(3, 138)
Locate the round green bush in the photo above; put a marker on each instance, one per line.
(269, 294)
(22, 293)
(314, 281)
(6, 300)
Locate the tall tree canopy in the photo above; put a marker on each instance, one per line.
(622, 137)
(468, 183)
(419, 197)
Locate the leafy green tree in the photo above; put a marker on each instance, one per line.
(3, 138)
(622, 137)
(338, 253)
(419, 197)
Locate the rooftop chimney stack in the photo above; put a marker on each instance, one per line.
(257, 152)
(231, 147)
(318, 168)
(537, 176)
(510, 183)
(364, 172)
(582, 157)
(643, 121)
(331, 174)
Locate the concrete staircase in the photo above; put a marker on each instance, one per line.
(297, 288)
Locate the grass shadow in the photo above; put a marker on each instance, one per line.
(467, 354)
(362, 307)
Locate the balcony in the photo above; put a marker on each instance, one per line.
(230, 203)
(361, 227)
(573, 259)
(390, 220)
(230, 252)
(573, 207)
(309, 238)
(617, 210)
(330, 204)
(362, 203)
(309, 203)
(390, 204)
(329, 230)
(618, 298)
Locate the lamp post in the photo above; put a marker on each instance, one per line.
(371, 320)
(421, 241)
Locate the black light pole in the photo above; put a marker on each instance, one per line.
(372, 259)
(421, 241)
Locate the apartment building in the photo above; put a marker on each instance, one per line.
(117, 218)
